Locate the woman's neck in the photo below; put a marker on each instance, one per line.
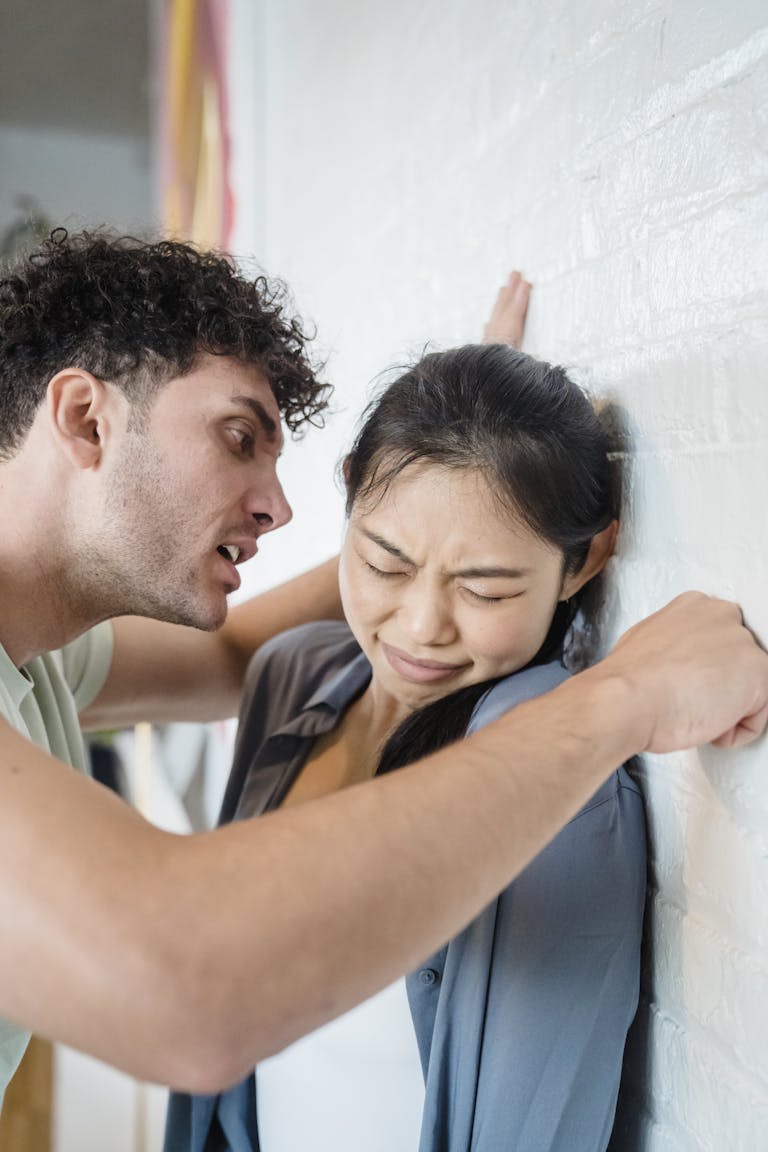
(350, 752)
(376, 713)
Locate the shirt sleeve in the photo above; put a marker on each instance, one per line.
(86, 662)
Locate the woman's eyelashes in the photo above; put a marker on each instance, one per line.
(499, 598)
(484, 599)
(383, 572)
(475, 597)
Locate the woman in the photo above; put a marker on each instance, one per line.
(480, 504)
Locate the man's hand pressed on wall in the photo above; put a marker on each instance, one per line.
(696, 675)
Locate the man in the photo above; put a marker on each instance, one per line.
(142, 391)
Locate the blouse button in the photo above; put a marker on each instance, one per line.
(428, 976)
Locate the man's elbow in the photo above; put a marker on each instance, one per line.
(215, 1059)
(207, 1067)
(210, 1040)
(203, 1019)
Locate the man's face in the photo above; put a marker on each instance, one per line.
(188, 493)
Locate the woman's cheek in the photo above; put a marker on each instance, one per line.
(516, 638)
(348, 591)
(363, 604)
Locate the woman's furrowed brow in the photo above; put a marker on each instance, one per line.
(478, 572)
(387, 546)
(488, 573)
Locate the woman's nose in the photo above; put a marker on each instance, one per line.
(428, 615)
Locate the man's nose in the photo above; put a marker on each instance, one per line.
(268, 506)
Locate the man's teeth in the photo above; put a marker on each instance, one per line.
(232, 551)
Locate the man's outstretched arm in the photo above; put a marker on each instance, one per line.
(187, 959)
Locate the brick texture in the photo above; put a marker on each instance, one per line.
(618, 153)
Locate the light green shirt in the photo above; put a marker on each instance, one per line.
(42, 701)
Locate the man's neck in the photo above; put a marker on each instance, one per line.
(37, 611)
(41, 606)
(34, 620)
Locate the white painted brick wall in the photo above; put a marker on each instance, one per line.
(618, 153)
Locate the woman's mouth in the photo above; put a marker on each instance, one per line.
(419, 671)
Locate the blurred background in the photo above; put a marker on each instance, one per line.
(77, 136)
(393, 162)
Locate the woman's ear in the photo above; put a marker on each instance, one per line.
(76, 411)
(600, 552)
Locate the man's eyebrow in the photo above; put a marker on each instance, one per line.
(269, 426)
(478, 573)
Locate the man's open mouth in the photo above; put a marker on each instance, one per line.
(229, 552)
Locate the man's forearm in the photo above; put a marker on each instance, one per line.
(364, 885)
(188, 959)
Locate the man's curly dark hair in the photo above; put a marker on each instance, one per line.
(139, 314)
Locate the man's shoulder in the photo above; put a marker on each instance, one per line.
(84, 663)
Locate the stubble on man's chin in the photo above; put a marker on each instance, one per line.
(105, 590)
(203, 621)
(186, 612)
(142, 579)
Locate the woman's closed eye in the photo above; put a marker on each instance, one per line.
(483, 598)
(383, 572)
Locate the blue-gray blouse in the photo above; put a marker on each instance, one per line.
(521, 1019)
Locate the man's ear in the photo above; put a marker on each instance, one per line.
(76, 402)
(600, 552)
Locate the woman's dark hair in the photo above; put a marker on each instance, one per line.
(537, 439)
(138, 314)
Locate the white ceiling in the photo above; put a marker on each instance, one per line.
(75, 64)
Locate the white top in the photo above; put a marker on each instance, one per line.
(42, 701)
(354, 1085)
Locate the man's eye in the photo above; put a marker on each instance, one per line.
(244, 440)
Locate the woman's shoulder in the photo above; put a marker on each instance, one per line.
(311, 650)
(306, 637)
(516, 689)
(526, 685)
(282, 678)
